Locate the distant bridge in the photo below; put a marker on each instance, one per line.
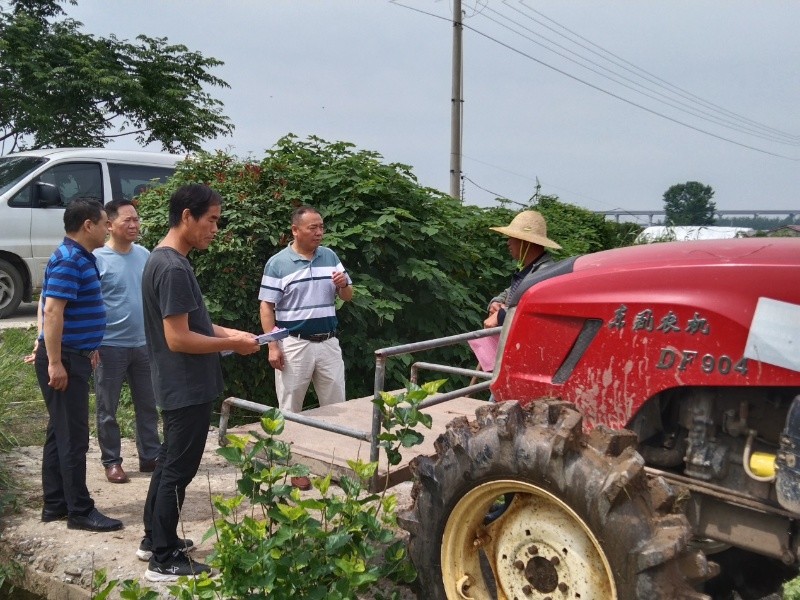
(650, 214)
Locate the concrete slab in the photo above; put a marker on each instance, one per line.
(323, 451)
(23, 317)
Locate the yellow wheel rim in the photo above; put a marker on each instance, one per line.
(537, 548)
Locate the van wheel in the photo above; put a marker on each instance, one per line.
(522, 504)
(10, 289)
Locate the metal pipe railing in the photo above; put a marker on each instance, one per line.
(437, 342)
(380, 374)
(465, 391)
(417, 366)
(380, 379)
(289, 416)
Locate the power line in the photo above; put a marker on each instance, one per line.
(424, 12)
(529, 178)
(680, 105)
(497, 197)
(631, 102)
(647, 75)
(600, 89)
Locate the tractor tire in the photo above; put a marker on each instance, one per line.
(521, 504)
(10, 289)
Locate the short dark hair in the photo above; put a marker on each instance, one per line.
(298, 213)
(112, 208)
(80, 209)
(196, 197)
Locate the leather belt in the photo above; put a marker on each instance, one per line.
(315, 337)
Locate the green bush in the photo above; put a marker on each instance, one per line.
(423, 265)
(791, 589)
(581, 231)
(273, 543)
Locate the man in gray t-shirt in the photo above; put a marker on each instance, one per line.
(184, 347)
(170, 288)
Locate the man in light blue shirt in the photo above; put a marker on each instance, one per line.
(123, 353)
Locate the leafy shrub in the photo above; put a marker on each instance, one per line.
(581, 231)
(791, 589)
(273, 543)
(423, 265)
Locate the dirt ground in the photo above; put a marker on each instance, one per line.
(59, 561)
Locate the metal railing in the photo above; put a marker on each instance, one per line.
(381, 357)
(380, 375)
(225, 414)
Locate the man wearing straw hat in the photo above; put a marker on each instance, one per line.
(527, 240)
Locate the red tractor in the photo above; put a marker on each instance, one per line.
(647, 414)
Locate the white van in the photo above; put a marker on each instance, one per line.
(36, 186)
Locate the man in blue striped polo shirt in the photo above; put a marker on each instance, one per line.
(298, 292)
(73, 320)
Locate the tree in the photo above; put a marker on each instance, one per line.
(61, 87)
(689, 204)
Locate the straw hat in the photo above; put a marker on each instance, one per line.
(528, 226)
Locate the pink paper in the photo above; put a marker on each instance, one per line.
(486, 350)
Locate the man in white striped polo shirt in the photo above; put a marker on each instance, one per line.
(298, 292)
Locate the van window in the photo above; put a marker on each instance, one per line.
(129, 181)
(72, 180)
(14, 168)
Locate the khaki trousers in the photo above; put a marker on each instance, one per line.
(305, 362)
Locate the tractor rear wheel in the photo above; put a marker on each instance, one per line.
(522, 505)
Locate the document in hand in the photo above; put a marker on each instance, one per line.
(273, 336)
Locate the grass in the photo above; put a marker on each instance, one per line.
(21, 404)
(23, 415)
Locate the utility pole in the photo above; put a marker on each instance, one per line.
(457, 105)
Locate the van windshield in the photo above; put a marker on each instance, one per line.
(14, 168)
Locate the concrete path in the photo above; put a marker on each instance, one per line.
(323, 451)
(24, 316)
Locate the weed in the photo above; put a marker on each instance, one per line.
(273, 543)
(791, 590)
(21, 402)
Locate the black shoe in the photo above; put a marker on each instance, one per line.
(178, 565)
(50, 515)
(94, 521)
(145, 550)
(148, 466)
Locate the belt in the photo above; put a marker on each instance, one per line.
(84, 353)
(315, 337)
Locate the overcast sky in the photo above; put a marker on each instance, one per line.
(378, 74)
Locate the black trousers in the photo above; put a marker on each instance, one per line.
(185, 433)
(67, 438)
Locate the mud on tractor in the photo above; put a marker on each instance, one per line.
(646, 415)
